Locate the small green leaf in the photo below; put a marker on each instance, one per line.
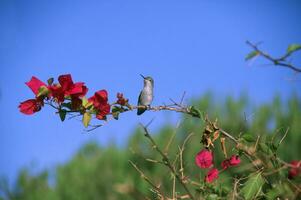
(293, 47)
(251, 55)
(253, 186)
(43, 91)
(62, 113)
(115, 115)
(265, 148)
(86, 103)
(248, 138)
(66, 105)
(273, 147)
(86, 119)
(195, 112)
(116, 110)
(212, 197)
(50, 81)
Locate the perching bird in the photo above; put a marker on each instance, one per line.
(146, 94)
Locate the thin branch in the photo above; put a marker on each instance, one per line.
(143, 176)
(276, 61)
(181, 150)
(284, 135)
(166, 161)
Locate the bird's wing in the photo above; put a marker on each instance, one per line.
(139, 98)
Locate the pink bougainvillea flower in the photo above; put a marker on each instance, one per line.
(204, 159)
(100, 103)
(232, 161)
(100, 97)
(65, 81)
(295, 170)
(225, 164)
(103, 111)
(34, 84)
(77, 90)
(31, 106)
(57, 93)
(70, 88)
(211, 175)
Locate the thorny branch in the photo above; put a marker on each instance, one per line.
(166, 161)
(281, 61)
(143, 176)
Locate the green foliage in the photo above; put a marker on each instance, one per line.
(86, 119)
(251, 55)
(293, 47)
(50, 81)
(62, 114)
(252, 187)
(104, 172)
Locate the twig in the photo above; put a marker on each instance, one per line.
(284, 135)
(143, 176)
(181, 150)
(166, 161)
(276, 61)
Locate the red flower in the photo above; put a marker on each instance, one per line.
(34, 84)
(120, 99)
(57, 93)
(77, 90)
(211, 175)
(233, 161)
(65, 81)
(100, 103)
(225, 164)
(31, 106)
(70, 88)
(204, 159)
(103, 111)
(295, 170)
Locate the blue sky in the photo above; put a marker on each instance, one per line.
(191, 46)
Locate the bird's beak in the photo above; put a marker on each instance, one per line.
(142, 76)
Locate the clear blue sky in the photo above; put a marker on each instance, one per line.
(191, 46)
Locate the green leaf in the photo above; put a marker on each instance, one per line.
(43, 91)
(253, 186)
(265, 148)
(66, 105)
(195, 112)
(116, 110)
(50, 81)
(62, 113)
(86, 103)
(115, 115)
(212, 197)
(293, 47)
(251, 55)
(273, 147)
(86, 119)
(248, 138)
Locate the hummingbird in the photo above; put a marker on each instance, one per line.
(146, 95)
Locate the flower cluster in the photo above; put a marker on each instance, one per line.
(67, 96)
(121, 100)
(204, 160)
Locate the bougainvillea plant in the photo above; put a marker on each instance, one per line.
(70, 98)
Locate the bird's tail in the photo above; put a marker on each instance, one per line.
(140, 111)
